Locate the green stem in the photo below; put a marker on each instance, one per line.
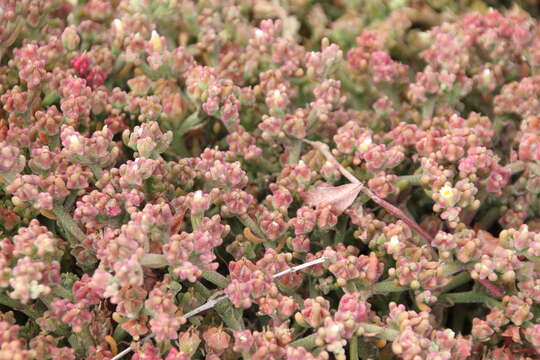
(119, 333)
(47, 300)
(349, 84)
(324, 238)
(472, 297)
(87, 337)
(50, 99)
(154, 261)
(380, 332)
(353, 348)
(164, 346)
(96, 170)
(7, 177)
(458, 280)
(178, 146)
(266, 165)
(54, 142)
(451, 269)
(408, 180)
(196, 222)
(62, 292)
(229, 314)
(388, 286)
(119, 63)
(428, 108)
(215, 278)
(252, 225)
(296, 150)
(308, 342)
(313, 291)
(67, 223)
(341, 230)
(387, 90)
(70, 201)
(202, 290)
(18, 306)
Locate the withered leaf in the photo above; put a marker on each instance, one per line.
(340, 197)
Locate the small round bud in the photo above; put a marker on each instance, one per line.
(380, 343)
(509, 276)
(300, 320)
(70, 38)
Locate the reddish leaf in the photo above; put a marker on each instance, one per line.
(493, 289)
(512, 332)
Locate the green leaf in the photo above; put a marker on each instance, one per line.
(29, 330)
(191, 122)
(68, 279)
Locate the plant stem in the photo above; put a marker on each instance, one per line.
(196, 222)
(154, 261)
(405, 181)
(67, 223)
(215, 278)
(451, 269)
(458, 280)
(428, 108)
(96, 170)
(350, 85)
(228, 313)
(296, 150)
(7, 177)
(308, 342)
(324, 238)
(178, 145)
(341, 230)
(201, 289)
(50, 99)
(87, 337)
(119, 333)
(18, 306)
(472, 297)
(60, 291)
(380, 332)
(252, 225)
(266, 165)
(157, 261)
(387, 286)
(70, 201)
(353, 348)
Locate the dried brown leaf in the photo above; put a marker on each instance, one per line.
(340, 197)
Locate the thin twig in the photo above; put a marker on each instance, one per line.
(122, 353)
(211, 303)
(299, 267)
(206, 306)
(68, 224)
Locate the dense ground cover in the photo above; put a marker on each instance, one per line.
(269, 179)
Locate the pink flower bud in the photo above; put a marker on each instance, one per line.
(243, 341)
(315, 311)
(216, 340)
